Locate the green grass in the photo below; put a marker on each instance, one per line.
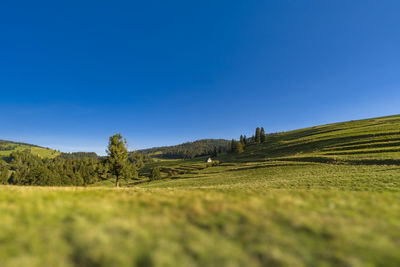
(252, 214)
(35, 150)
(288, 202)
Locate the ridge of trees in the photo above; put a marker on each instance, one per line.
(188, 150)
(78, 155)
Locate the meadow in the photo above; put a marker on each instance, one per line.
(321, 196)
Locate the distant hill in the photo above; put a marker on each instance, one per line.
(186, 150)
(7, 147)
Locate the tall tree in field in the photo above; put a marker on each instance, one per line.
(263, 135)
(239, 147)
(117, 157)
(258, 136)
(233, 145)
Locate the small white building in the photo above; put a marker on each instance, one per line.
(209, 160)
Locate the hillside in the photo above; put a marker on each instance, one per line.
(369, 141)
(373, 141)
(7, 147)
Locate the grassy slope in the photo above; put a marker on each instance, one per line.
(364, 141)
(36, 150)
(276, 204)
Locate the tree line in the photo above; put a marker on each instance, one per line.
(188, 150)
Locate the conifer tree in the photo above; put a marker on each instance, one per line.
(4, 175)
(229, 147)
(140, 163)
(155, 173)
(15, 177)
(263, 135)
(77, 180)
(117, 157)
(258, 136)
(233, 145)
(215, 153)
(239, 147)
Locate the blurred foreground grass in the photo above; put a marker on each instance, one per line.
(241, 214)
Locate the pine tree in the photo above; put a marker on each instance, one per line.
(229, 147)
(15, 178)
(244, 140)
(215, 152)
(117, 157)
(132, 171)
(263, 135)
(77, 179)
(233, 145)
(239, 147)
(4, 175)
(258, 136)
(155, 173)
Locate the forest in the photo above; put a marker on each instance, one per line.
(188, 150)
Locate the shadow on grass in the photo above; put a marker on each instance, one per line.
(265, 166)
(391, 169)
(186, 177)
(344, 161)
(138, 182)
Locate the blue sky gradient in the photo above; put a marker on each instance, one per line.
(73, 73)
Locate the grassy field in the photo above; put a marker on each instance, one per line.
(321, 196)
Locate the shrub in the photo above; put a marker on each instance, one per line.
(171, 173)
(155, 173)
(216, 163)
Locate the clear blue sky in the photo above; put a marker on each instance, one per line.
(73, 73)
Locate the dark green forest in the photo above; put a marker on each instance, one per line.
(188, 150)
